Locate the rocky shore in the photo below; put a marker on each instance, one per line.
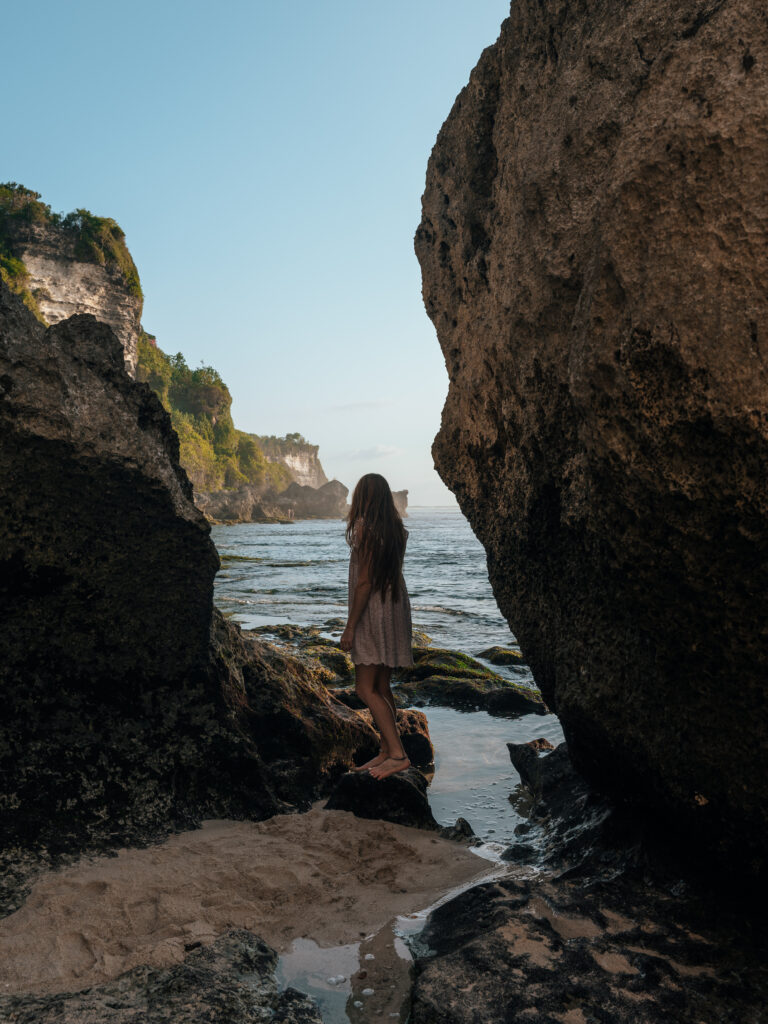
(249, 504)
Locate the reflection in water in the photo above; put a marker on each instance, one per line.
(359, 982)
(473, 773)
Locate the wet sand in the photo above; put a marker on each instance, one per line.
(326, 876)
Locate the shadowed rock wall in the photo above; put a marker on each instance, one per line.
(594, 258)
(129, 705)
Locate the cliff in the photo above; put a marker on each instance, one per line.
(130, 707)
(299, 458)
(62, 265)
(594, 259)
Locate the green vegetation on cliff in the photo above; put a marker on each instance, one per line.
(214, 453)
(96, 239)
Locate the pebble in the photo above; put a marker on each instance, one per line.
(357, 1004)
(369, 956)
(368, 991)
(337, 979)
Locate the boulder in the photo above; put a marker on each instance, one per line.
(414, 733)
(130, 707)
(506, 656)
(453, 679)
(595, 260)
(231, 981)
(304, 502)
(401, 798)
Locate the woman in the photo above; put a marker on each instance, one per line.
(378, 630)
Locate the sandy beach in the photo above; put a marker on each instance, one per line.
(324, 875)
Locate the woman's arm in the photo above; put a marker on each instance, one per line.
(359, 602)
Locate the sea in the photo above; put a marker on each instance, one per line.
(274, 573)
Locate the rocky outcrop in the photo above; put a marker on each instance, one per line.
(230, 981)
(605, 929)
(129, 706)
(63, 284)
(453, 679)
(247, 504)
(400, 798)
(401, 501)
(254, 504)
(326, 502)
(299, 457)
(595, 260)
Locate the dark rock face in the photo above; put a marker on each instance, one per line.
(595, 262)
(608, 931)
(401, 798)
(231, 981)
(518, 950)
(129, 706)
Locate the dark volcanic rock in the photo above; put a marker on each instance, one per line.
(522, 950)
(231, 981)
(608, 931)
(595, 261)
(401, 798)
(129, 706)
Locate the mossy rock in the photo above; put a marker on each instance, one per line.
(332, 658)
(420, 639)
(436, 661)
(493, 694)
(504, 656)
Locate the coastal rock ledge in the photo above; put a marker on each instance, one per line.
(594, 258)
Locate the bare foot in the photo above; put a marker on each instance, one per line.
(381, 756)
(390, 766)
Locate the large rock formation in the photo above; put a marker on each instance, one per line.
(129, 705)
(326, 502)
(594, 258)
(300, 458)
(68, 265)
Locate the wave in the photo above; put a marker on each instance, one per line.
(437, 608)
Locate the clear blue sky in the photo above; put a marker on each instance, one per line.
(266, 161)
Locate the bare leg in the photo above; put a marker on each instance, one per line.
(392, 757)
(395, 762)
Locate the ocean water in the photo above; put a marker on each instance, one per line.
(297, 572)
(273, 573)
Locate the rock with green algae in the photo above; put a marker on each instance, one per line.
(230, 981)
(453, 679)
(507, 656)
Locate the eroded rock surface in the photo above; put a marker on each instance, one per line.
(231, 981)
(130, 707)
(594, 258)
(401, 798)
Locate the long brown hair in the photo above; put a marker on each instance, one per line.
(375, 526)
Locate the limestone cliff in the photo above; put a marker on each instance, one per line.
(72, 264)
(594, 251)
(300, 458)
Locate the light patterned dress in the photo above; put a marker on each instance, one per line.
(383, 634)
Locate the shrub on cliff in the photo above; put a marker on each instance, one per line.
(215, 455)
(96, 239)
